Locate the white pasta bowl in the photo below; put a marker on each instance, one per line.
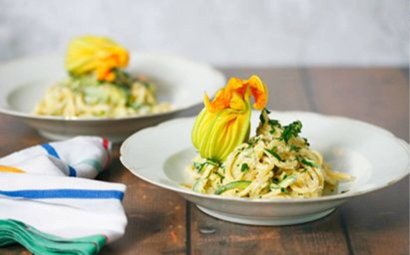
(374, 156)
(179, 81)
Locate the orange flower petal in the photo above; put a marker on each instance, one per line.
(93, 54)
(236, 85)
(259, 92)
(220, 102)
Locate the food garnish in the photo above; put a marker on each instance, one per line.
(276, 162)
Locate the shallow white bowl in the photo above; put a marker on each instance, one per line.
(371, 154)
(179, 81)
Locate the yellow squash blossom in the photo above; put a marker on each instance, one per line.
(224, 123)
(92, 54)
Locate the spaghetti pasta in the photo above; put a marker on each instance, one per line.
(277, 162)
(85, 96)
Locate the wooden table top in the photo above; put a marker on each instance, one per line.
(161, 222)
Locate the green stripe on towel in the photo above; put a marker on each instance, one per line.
(93, 163)
(37, 242)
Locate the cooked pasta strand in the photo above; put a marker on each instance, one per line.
(269, 165)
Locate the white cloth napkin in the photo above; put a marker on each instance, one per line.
(38, 186)
(83, 156)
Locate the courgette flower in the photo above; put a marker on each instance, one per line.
(224, 123)
(98, 55)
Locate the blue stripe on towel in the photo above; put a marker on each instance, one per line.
(64, 193)
(72, 172)
(52, 152)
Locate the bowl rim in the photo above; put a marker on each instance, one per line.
(340, 196)
(174, 110)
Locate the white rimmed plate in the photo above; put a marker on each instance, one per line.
(179, 81)
(374, 156)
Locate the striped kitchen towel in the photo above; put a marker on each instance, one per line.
(47, 210)
(83, 156)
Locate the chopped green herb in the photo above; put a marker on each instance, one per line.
(264, 116)
(306, 141)
(273, 153)
(198, 166)
(294, 148)
(220, 175)
(244, 167)
(210, 162)
(283, 190)
(307, 162)
(291, 130)
(274, 123)
(221, 171)
(252, 142)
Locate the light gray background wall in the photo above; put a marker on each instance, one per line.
(230, 32)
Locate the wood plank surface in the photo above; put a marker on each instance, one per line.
(156, 217)
(376, 223)
(376, 95)
(161, 222)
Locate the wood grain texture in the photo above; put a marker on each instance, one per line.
(161, 222)
(376, 95)
(376, 223)
(156, 217)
